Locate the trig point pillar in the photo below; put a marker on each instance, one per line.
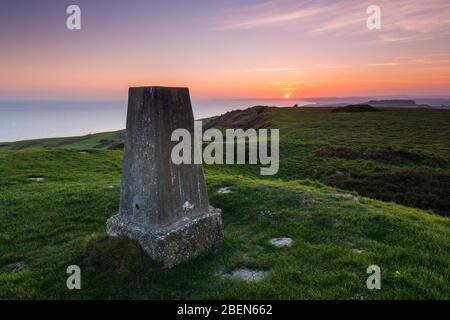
(162, 205)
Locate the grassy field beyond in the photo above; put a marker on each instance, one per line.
(398, 155)
(56, 195)
(52, 223)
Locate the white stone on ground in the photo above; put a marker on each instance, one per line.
(248, 274)
(344, 196)
(356, 250)
(281, 242)
(16, 266)
(38, 179)
(224, 190)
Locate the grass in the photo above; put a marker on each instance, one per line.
(98, 140)
(51, 224)
(366, 152)
(383, 146)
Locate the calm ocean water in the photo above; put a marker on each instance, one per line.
(34, 119)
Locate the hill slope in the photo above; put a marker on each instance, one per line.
(104, 140)
(54, 203)
(399, 155)
(59, 221)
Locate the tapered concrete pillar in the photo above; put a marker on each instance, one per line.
(163, 206)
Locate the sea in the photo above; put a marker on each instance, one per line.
(35, 119)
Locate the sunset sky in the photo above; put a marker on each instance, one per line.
(224, 49)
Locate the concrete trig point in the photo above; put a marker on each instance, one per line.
(163, 206)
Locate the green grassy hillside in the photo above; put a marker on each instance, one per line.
(54, 203)
(398, 155)
(104, 140)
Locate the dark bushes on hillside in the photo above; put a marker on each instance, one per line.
(337, 152)
(393, 156)
(356, 108)
(418, 188)
(383, 155)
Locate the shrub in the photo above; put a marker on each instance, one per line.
(337, 152)
(418, 188)
(356, 108)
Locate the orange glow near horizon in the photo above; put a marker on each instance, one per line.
(413, 78)
(228, 56)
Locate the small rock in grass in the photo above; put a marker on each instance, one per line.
(281, 242)
(224, 190)
(16, 266)
(37, 179)
(83, 152)
(265, 213)
(358, 251)
(248, 274)
(344, 196)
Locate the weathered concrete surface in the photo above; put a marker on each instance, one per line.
(163, 206)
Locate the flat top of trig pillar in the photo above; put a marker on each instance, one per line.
(160, 87)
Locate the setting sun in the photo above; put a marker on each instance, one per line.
(287, 96)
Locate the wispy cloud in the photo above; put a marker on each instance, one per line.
(328, 66)
(272, 70)
(402, 20)
(267, 13)
(405, 21)
(384, 64)
(272, 19)
(427, 59)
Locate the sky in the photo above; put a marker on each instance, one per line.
(228, 49)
